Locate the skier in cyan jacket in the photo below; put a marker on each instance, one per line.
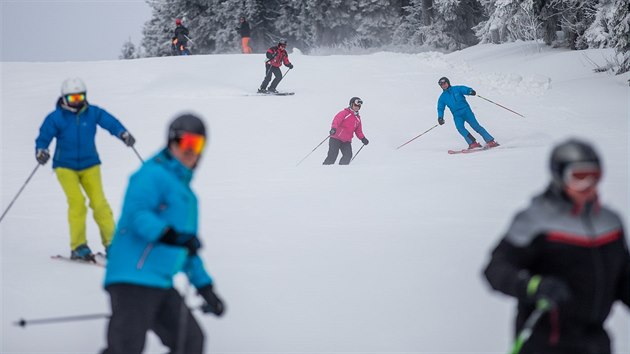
(156, 238)
(453, 98)
(76, 162)
(344, 126)
(568, 250)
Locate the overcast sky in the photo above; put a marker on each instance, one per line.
(69, 30)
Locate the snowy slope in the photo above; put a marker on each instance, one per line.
(382, 256)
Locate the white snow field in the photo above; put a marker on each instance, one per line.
(382, 256)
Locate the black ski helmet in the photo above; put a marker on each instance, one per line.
(282, 42)
(444, 78)
(185, 123)
(570, 152)
(354, 100)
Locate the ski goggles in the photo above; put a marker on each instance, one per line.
(192, 142)
(582, 176)
(357, 102)
(75, 98)
(442, 82)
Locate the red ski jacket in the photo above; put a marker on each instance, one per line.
(277, 56)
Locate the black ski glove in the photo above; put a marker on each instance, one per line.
(127, 138)
(42, 156)
(332, 131)
(472, 92)
(213, 303)
(440, 121)
(190, 241)
(290, 66)
(365, 141)
(548, 288)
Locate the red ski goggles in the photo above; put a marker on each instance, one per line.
(75, 98)
(192, 142)
(582, 176)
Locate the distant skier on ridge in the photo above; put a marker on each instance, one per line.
(453, 97)
(180, 39)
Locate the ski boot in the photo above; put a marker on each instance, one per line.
(82, 253)
(272, 90)
(474, 145)
(262, 90)
(491, 144)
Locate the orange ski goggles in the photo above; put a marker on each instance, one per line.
(192, 142)
(75, 98)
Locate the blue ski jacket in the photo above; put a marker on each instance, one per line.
(158, 196)
(453, 97)
(75, 133)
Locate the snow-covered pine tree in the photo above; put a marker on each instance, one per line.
(443, 24)
(509, 20)
(611, 28)
(128, 50)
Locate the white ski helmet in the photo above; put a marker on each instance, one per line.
(73, 85)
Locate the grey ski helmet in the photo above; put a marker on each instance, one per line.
(185, 123)
(282, 42)
(444, 79)
(355, 100)
(570, 152)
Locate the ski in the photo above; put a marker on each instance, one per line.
(272, 94)
(465, 151)
(100, 260)
(470, 151)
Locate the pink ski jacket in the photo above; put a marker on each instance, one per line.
(347, 123)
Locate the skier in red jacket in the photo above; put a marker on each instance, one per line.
(276, 56)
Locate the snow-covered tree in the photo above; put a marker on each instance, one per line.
(128, 50)
(439, 23)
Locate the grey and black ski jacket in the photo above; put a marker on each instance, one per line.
(584, 248)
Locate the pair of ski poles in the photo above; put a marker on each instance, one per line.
(31, 176)
(435, 126)
(318, 145)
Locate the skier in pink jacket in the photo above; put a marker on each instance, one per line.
(345, 124)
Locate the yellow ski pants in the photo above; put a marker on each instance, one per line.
(90, 179)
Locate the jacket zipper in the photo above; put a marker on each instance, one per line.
(144, 256)
(597, 264)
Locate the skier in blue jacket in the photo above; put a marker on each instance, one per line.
(76, 163)
(453, 97)
(156, 238)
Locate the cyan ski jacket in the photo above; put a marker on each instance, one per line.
(453, 97)
(158, 196)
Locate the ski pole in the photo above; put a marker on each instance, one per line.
(53, 320)
(22, 322)
(501, 106)
(18, 193)
(417, 137)
(285, 74)
(541, 308)
(137, 154)
(355, 155)
(309, 154)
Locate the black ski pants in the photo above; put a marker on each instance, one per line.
(270, 69)
(137, 309)
(334, 145)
